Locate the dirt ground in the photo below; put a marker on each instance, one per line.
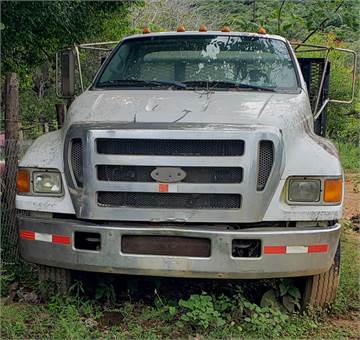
(351, 212)
(352, 196)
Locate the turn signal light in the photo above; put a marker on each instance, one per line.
(146, 30)
(180, 29)
(23, 181)
(333, 190)
(262, 30)
(202, 28)
(226, 29)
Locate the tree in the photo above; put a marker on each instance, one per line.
(32, 31)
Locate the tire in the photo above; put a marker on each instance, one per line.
(320, 289)
(54, 280)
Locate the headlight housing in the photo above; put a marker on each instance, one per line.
(314, 190)
(304, 190)
(47, 182)
(39, 182)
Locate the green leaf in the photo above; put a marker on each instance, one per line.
(294, 292)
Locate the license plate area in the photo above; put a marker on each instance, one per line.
(165, 245)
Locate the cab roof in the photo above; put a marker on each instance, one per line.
(209, 33)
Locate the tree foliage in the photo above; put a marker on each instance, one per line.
(32, 31)
(292, 18)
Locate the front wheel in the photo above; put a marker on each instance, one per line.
(54, 280)
(321, 289)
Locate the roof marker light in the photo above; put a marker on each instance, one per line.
(202, 28)
(226, 29)
(146, 30)
(261, 30)
(180, 28)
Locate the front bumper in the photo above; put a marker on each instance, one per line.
(54, 246)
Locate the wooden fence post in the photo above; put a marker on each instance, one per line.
(9, 227)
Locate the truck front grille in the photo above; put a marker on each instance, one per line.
(126, 173)
(160, 172)
(265, 163)
(168, 200)
(172, 147)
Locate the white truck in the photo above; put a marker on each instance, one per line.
(191, 154)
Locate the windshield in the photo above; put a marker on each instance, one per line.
(188, 62)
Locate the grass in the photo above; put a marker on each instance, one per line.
(207, 315)
(350, 156)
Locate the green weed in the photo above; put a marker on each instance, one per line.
(349, 156)
(200, 312)
(348, 293)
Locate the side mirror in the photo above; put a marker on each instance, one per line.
(67, 73)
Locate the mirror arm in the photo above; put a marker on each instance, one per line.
(79, 65)
(353, 78)
(317, 114)
(322, 82)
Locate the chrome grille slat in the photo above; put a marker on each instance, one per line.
(180, 187)
(177, 161)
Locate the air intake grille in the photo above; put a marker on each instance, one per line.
(163, 147)
(120, 173)
(77, 160)
(265, 163)
(169, 201)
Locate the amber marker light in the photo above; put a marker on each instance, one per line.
(262, 30)
(180, 28)
(226, 29)
(23, 181)
(202, 28)
(146, 30)
(333, 190)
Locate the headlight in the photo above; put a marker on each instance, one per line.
(304, 190)
(47, 182)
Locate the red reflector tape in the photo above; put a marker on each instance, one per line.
(61, 239)
(28, 235)
(274, 249)
(313, 248)
(318, 248)
(44, 237)
(163, 187)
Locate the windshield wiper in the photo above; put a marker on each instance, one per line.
(226, 84)
(142, 83)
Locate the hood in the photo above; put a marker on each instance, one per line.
(169, 106)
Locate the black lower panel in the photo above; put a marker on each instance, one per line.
(169, 200)
(166, 245)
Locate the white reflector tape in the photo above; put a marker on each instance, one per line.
(311, 248)
(172, 187)
(296, 249)
(43, 237)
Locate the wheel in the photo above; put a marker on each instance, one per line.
(321, 289)
(54, 280)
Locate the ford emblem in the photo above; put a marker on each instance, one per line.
(168, 175)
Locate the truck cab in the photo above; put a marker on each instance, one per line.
(191, 154)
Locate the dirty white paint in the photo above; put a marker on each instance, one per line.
(305, 153)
